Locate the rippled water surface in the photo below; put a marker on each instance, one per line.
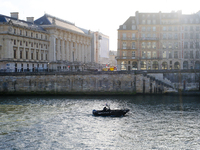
(154, 122)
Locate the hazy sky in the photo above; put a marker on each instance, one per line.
(96, 15)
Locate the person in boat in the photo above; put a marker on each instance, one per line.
(106, 108)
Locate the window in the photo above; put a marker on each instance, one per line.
(164, 54)
(143, 54)
(175, 28)
(197, 28)
(191, 45)
(186, 28)
(170, 54)
(143, 65)
(20, 54)
(15, 54)
(20, 32)
(197, 44)
(186, 45)
(124, 26)
(124, 53)
(154, 28)
(176, 36)
(154, 54)
(133, 36)
(176, 45)
(148, 28)
(170, 36)
(143, 21)
(20, 43)
(148, 45)
(164, 36)
(14, 31)
(31, 34)
(41, 36)
(36, 35)
(26, 33)
(154, 21)
(155, 65)
(148, 54)
(31, 44)
(169, 28)
(31, 54)
(191, 28)
(164, 45)
(14, 42)
(154, 45)
(123, 65)
(197, 54)
(186, 54)
(46, 56)
(124, 36)
(148, 21)
(143, 28)
(133, 45)
(26, 54)
(124, 45)
(175, 54)
(197, 35)
(191, 35)
(164, 28)
(186, 35)
(36, 55)
(191, 54)
(42, 56)
(26, 43)
(143, 45)
(170, 45)
(133, 27)
(133, 53)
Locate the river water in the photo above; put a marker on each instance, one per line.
(154, 122)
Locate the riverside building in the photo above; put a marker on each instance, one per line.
(46, 44)
(152, 41)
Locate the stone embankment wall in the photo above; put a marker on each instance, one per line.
(79, 84)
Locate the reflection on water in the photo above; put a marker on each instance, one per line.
(154, 122)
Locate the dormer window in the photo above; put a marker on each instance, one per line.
(124, 26)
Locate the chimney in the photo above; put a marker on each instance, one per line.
(14, 15)
(30, 19)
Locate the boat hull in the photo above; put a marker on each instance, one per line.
(113, 113)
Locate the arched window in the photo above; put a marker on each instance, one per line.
(185, 65)
(197, 65)
(155, 65)
(123, 65)
(143, 65)
(164, 65)
(134, 65)
(176, 65)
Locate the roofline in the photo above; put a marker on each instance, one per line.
(48, 15)
(55, 26)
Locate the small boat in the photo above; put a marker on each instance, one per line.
(108, 112)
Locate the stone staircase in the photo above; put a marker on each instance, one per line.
(164, 81)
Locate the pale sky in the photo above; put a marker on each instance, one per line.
(96, 15)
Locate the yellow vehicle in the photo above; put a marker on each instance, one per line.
(105, 69)
(109, 68)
